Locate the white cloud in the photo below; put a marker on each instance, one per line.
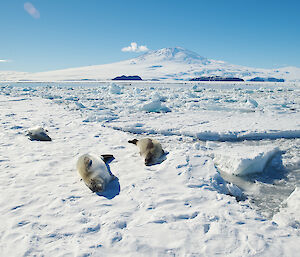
(135, 48)
(4, 60)
(29, 7)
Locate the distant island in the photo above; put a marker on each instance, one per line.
(216, 78)
(270, 79)
(167, 64)
(123, 77)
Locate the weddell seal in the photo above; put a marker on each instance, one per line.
(38, 134)
(94, 171)
(150, 149)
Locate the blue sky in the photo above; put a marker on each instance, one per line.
(41, 35)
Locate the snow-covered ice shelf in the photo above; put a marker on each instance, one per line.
(181, 207)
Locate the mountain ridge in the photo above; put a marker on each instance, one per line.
(166, 64)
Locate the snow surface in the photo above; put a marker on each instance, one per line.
(167, 64)
(184, 206)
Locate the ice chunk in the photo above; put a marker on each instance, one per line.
(80, 105)
(115, 89)
(157, 97)
(234, 190)
(155, 106)
(225, 187)
(101, 115)
(244, 160)
(72, 98)
(251, 103)
(290, 215)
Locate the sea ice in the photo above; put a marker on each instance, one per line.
(181, 207)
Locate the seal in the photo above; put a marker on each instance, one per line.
(150, 149)
(38, 134)
(94, 171)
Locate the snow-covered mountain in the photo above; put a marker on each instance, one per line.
(164, 64)
(176, 54)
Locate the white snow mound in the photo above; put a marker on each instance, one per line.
(244, 160)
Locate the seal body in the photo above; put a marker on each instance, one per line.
(94, 172)
(150, 149)
(38, 133)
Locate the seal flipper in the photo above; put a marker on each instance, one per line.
(107, 157)
(134, 141)
(44, 137)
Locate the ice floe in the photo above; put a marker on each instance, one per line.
(244, 160)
